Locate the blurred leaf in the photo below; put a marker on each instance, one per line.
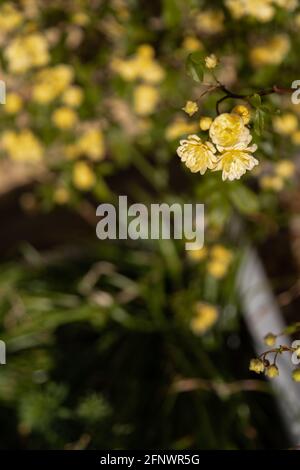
(244, 199)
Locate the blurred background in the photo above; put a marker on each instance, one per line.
(138, 344)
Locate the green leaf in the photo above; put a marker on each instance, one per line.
(255, 100)
(243, 199)
(194, 68)
(259, 121)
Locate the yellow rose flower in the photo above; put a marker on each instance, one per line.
(285, 169)
(205, 123)
(235, 163)
(270, 339)
(296, 375)
(73, 96)
(13, 103)
(10, 18)
(229, 132)
(271, 52)
(26, 52)
(285, 124)
(190, 108)
(274, 183)
(242, 111)
(91, 144)
(83, 176)
(257, 365)
(145, 99)
(272, 371)
(204, 318)
(296, 138)
(22, 146)
(180, 127)
(197, 155)
(64, 118)
(52, 82)
(211, 61)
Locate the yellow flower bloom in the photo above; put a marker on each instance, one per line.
(285, 124)
(197, 155)
(270, 339)
(61, 195)
(210, 21)
(274, 183)
(285, 169)
(211, 61)
(229, 132)
(221, 254)
(197, 255)
(64, 118)
(204, 318)
(91, 144)
(257, 365)
(217, 269)
(192, 44)
(235, 163)
(272, 371)
(272, 52)
(296, 375)
(190, 108)
(205, 123)
(13, 103)
(83, 176)
(296, 138)
(180, 127)
(145, 99)
(51, 82)
(26, 52)
(22, 146)
(242, 111)
(73, 96)
(10, 18)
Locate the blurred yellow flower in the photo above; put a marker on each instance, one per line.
(83, 176)
(210, 21)
(13, 104)
(179, 127)
(262, 10)
(211, 61)
(285, 169)
(190, 108)
(81, 18)
(197, 155)
(296, 138)
(274, 183)
(73, 96)
(217, 269)
(229, 132)
(91, 144)
(145, 99)
(272, 52)
(61, 195)
(242, 111)
(22, 145)
(192, 44)
(10, 18)
(204, 318)
(220, 260)
(51, 82)
(285, 124)
(221, 254)
(64, 118)
(26, 52)
(296, 375)
(197, 255)
(234, 163)
(205, 123)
